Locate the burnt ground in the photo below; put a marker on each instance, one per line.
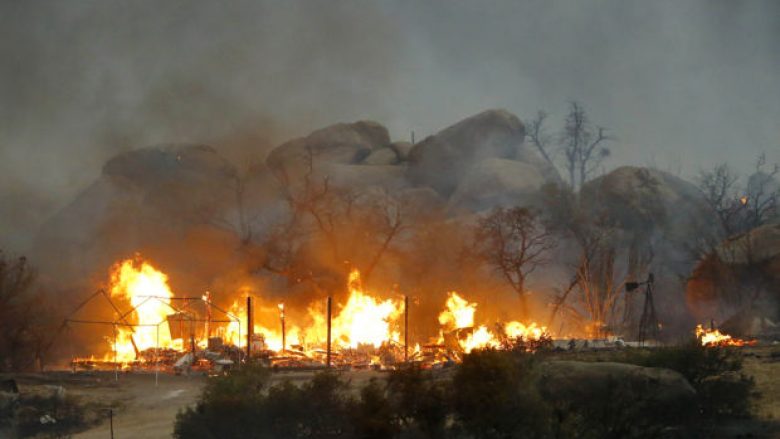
(142, 409)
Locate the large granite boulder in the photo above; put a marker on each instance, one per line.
(498, 182)
(361, 177)
(382, 156)
(440, 161)
(740, 280)
(648, 199)
(582, 386)
(655, 219)
(343, 143)
(170, 203)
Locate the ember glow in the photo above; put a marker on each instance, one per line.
(713, 337)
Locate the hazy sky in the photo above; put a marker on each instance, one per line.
(682, 84)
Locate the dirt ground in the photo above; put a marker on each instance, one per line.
(141, 408)
(763, 363)
(145, 410)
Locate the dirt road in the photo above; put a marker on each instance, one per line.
(142, 410)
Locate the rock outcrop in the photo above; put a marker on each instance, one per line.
(438, 160)
(582, 385)
(739, 280)
(165, 202)
(498, 182)
(458, 161)
(343, 143)
(648, 199)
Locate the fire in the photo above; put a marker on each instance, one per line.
(459, 315)
(362, 327)
(713, 337)
(365, 320)
(235, 332)
(480, 338)
(518, 330)
(147, 290)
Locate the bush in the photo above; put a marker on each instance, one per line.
(492, 394)
(373, 417)
(715, 373)
(63, 416)
(420, 403)
(493, 397)
(228, 407)
(241, 405)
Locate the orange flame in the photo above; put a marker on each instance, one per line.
(147, 290)
(713, 337)
(459, 314)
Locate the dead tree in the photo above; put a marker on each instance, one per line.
(514, 242)
(761, 195)
(582, 145)
(741, 209)
(22, 336)
(540, 138)
(719, 186)
(231, 209)
(593, 294)
(355, 229)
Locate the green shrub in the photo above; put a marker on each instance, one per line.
(373, 417)
(241, 405)
(229, 407)
(493, 397)
(68, 414)
(715, 373)
(419, 402)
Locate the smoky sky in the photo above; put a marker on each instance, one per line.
(681, 85)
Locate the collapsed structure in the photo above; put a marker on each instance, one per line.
(162, 330)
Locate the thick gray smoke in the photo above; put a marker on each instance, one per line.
(682, 85)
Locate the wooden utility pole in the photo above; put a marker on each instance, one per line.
(406, 329)
(249, 327)
(329, 316)
(284, 329)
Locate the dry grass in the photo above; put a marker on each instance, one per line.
(765, 368)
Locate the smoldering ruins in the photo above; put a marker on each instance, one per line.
(230, 202)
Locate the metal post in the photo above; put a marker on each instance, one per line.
(157, 357)
(249, 327)
(329, 315)
(116, 364)
(207, 299)
(284, 330)
(406, 329)
(111, 421)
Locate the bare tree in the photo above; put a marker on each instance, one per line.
(355, 229)
(740, 209)
(719, 186)
(514, 242)
(761, 195)
(582, 145)
(540, 138)
(596, 287)
(21, 339)
(231, 208)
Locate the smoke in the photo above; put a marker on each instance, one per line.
(83, 82)
(681, 85)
